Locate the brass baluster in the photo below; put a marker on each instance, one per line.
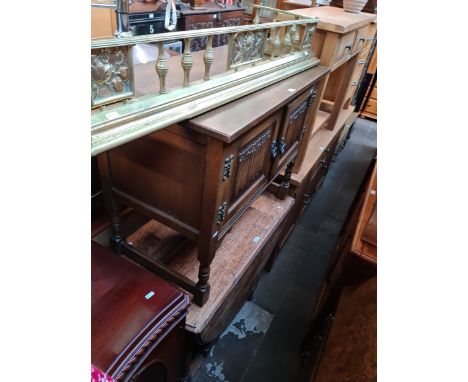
(275, 43)
(208, 57)
(295, 37)
(162, 68)
(307, 38)
(275, 16)
(256, 19)
(187, 61)
(287, 41)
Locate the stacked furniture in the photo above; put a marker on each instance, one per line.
(206, 160)
(339, 40)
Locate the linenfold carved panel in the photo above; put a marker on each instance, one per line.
(111, 71)
(297, 122)
(246, 47)
(250, 161)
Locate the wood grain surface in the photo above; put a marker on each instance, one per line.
(120, 313)
(237, 252)
(350, 354)
(230, 121)
(336, 19)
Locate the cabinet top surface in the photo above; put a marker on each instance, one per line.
(230, 121)
(126, 303)
(335, 19)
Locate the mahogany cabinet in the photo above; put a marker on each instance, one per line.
(200, 176)
(137, 321)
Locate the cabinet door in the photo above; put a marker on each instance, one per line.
(293, 128)
(247, 164)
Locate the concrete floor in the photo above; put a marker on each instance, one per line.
(262, 342)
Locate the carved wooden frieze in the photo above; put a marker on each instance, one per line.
(310, 102)
(222, 39)
(297, 120)
(199, 43)
(246, 47)
(250, 161)
(111, 75)
(299, 112)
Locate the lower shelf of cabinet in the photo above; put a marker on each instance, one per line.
(238, 261)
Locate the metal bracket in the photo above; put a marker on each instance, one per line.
(282, 145)
(221, 214)
(274, 149)
(227, 167)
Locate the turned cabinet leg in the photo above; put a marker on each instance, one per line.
(116, 237)
(203, 287)
(206, 252)
(283, 190)
(111, 206)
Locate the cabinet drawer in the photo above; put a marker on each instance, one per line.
(345, 46)
(360, 39)
(371, 106)
(374, 93)
(246, 170)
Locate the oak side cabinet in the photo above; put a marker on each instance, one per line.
(200, 176)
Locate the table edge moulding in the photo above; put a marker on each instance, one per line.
(129, 334)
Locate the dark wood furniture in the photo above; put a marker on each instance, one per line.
(200, 176)
(210, 15)
(137, 321)
(353, 262)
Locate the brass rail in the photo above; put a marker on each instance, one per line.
(267, 53)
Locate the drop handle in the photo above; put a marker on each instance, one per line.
(348, 47)
(274, 149)
(282, 145)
